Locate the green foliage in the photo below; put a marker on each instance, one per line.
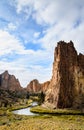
(41, 97)
(42, 110)
(27, 95)
(9, 121)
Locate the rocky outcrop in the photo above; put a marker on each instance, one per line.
(34, 86)
(66, 87)
(9, 82)
(44, 86)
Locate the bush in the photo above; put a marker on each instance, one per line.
(41, 98)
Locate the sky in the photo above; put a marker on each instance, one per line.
(30, 30)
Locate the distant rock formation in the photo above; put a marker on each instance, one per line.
(35, 87)
(66, 88)
(9, 82)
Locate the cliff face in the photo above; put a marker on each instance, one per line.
(35, 87)
(66, 87)
(9, 82)
(44, 86)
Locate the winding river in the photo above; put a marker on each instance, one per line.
(25, 111)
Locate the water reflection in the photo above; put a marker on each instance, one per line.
(25, 111)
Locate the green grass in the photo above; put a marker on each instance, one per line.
(17, 107)
(62, 119)
(46, 122)
(42, 110)
(7, 116)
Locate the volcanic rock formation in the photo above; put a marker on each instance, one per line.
(35, 87)
(44, 86)
(9, 82)
(66, 88)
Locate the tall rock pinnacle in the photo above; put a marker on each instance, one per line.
(66, 87)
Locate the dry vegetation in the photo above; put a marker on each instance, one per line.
(9, 121)
(46, 123)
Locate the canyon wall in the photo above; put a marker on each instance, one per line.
(35, 87)
(66, 88)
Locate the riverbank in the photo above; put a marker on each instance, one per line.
(44, 110)
(7, 116)
(10, 121)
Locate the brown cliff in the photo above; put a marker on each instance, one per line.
(66, 87)
(44, 86)
(35, 87)
(9, 82)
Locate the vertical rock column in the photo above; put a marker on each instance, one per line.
(62, 88)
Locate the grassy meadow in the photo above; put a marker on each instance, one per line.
(46, 122)
(51, 120)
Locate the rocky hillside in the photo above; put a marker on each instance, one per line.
(66, 88)
(9, 82)
(10, 89)
(35, 87)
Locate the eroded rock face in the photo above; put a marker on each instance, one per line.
(66, 87)
(9, 82)
(44, 86)
(34, 86)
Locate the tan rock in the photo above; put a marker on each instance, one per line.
(34, 86)
(66, 87)
(44, 86)
(9, 82)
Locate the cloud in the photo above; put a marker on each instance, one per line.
(9, 44)
(36, 34)
(50, 12)
(27, 68)
(23, 6)
(11, 26)
(64, 20)
(38, 22)
(26, 64)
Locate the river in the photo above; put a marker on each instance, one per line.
(25, 111)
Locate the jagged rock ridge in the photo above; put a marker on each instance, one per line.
(9, 82)
(35, 87)
(66, 88)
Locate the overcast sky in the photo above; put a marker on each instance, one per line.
(30, 30)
